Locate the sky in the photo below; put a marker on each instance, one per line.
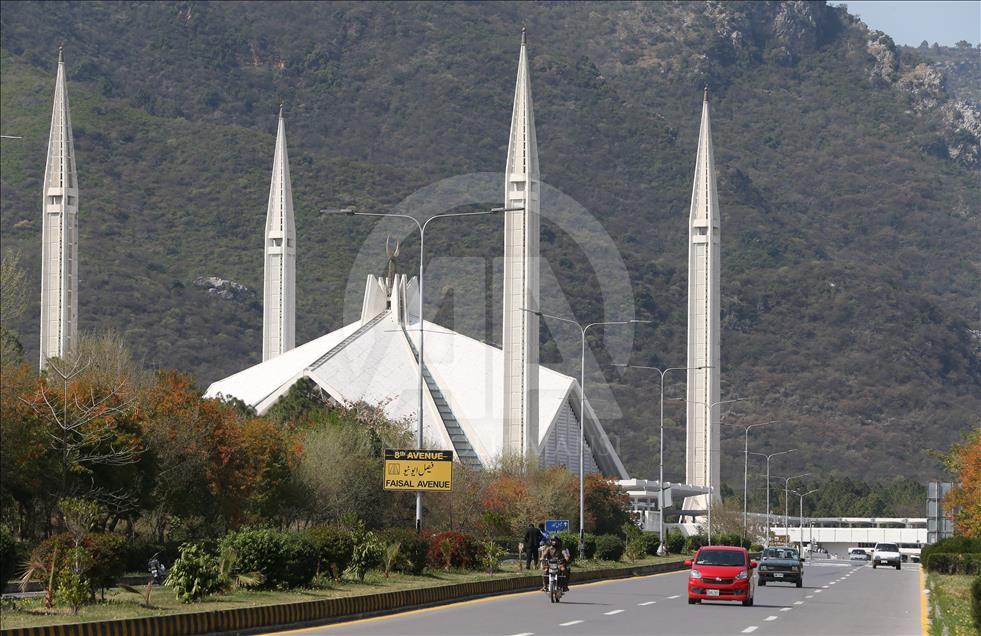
(910, 22)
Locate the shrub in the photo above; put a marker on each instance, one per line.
(366, 553)
(108, 559)
(732, 538)
(755, 547)
(508, 544)
(136, 554)
(490, 555)
(589, 545)
(194, 575)
(695, 541)
(9, 555)
(413, 553)
(609, 547)
(954, 545)
(976, 601)
(676, 542)
(73, 588)
(953, 563)
(450, 550)
(284, 559)
(650, 541)
(333, 547)
(570, 540)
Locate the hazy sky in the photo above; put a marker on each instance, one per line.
(911, 22)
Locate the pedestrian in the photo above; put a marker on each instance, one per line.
(532, 539)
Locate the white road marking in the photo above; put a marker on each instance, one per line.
(526, 634)
(824, 587)
(786, 609)
(809, 596)
(798, 602)
(675, 596)
(647, 603)
(818, 591)
(770, 618)
(570, 623)
(612, 612)
(750, 629)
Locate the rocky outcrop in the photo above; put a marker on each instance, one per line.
(885, 67)
(225, 289)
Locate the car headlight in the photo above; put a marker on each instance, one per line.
(695, 574)
(743, 575)
(762, 568)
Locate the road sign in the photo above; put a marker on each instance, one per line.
(426, 470)
(556, 525)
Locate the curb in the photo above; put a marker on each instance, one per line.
(323, 611)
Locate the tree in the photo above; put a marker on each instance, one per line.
(607, 505)
(13, 300)
(964, 500)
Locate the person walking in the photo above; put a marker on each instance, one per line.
(533, 538)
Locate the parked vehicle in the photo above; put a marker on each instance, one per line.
(721, 573)
(858, 554)
(554, 588)
(886, 554)
(781, 564)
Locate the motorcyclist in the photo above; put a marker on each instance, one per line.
(555, 550)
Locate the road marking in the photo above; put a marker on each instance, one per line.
(798, 602)
(647, 603)
(770, 618)
(786, 609)
(675, 596)
(526, 634)
(570, 623)
(750, 629)
(818, 591)
(809, 596)
(824, 587)
(612, 612)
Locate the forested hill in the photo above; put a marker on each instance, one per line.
(848, 181)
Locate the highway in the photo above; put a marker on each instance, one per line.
(838, 598)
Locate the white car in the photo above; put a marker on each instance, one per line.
(858, 554)
(886, 554)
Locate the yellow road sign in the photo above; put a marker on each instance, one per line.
(428, 470)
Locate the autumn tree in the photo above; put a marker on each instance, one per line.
(964, 500)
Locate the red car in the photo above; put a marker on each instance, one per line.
(721, 573)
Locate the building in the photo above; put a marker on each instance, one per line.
(59, 231)
(374, 360)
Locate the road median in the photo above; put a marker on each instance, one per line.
(321, 611)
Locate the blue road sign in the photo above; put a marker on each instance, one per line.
(556, 525)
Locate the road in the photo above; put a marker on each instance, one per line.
(837, 598)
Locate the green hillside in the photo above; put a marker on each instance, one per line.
(848, 186)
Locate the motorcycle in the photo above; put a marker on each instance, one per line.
(158, 571)
(554, 588)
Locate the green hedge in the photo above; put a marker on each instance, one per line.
(333, 547)
(953, 563)
(609, 547)
(285, 559)
(676, 542)
(958, 544)
(413, 552)
(976, 602)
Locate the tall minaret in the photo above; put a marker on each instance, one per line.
(59, 232)
(279, 289)
(703, 320)
(520, 335)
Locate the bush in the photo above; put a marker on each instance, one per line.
(755, 547)
(413, 553)
(333, 547)
(732, 538)
(366, 553)
(73, 588)
(953, 563)
(284, 559)
(650, 541)
(489, 555)
(108, 559)
(9, 556)
(976, 601)
(136, 554)
(954, 545)
(570, 540)
(508, 544)
(675, 542)
(609, 547)
(450, 549)
(695, 542)
(194, 575)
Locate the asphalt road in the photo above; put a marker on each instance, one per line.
(838, 597)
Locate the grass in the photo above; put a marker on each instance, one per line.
(950, 605)
(30, 612)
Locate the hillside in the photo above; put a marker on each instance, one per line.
(848, 188)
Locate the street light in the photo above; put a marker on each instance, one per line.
(661, 549)
(422, 245)
(800, 523)
(768, 458)
(786, 501)
(708, 454)
(746, 472)
(582, 404)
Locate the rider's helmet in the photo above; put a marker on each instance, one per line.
(557, 542)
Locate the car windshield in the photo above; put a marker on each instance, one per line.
(780, 553)
(887, 547)
(720, 557)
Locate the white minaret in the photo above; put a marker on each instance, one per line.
(703, 321)
(279, 288)
(59, 232)
(521, 273)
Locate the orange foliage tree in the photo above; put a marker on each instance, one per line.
(964, 500)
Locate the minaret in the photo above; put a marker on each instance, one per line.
(520, 335)
(279, 289)
(59, 232)
(703, 321)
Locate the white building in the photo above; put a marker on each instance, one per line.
(374, 360)
(59, 231)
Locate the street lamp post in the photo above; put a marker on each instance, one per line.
(786, 501)
(746, 473)
(422, 246)
(661, 549)
(800, 522)
(582, 404)
(768, 458)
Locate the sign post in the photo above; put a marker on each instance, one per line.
(418, 470)
(552, 526)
